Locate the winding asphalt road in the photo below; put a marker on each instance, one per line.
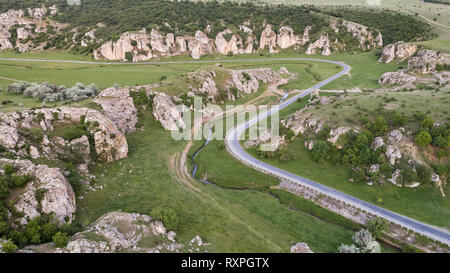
(234, 147)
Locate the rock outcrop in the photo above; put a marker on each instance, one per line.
(167, 112)
(123, 232)
(119, 107)
(57, 196)
(397, 51)
(301, 248)
(146, 44)
(321, 46)
(393, 153)
(268, 39)
(17, 132)
(399, 77)
(425, 62)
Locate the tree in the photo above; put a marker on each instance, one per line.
(363, 242)
(61, 239)
(4, 190)
(398, 120)
(427, 123)
(379, 127)
(376, 226)
(168, 216)
(423, 138)
(8, 246)
(320, 150)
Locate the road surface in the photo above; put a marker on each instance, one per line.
(234, 147)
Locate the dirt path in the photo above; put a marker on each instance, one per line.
(180, 172)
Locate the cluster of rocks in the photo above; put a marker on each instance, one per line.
(421, 67)
(26, 27)
(17, 134)
(119, 107)
(169, 110)
(117, 232)
(58, 197)
(144, 45)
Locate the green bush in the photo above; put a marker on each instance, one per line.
(168, 216)
(376, 226)
(8, 169)
(8, 247)
(60, 239)
(423, 138)
(37, 134)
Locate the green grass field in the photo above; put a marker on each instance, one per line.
(424, 203)
(232, 220)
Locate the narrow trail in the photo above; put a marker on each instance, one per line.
(180, 169)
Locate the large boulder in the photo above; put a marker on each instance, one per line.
(167, 112)
(268, 39)
(393, 153)
(397, 51)
(118, 106)
(286, 37)
(57, 196)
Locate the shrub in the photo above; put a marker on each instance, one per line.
(8, 169)
(398, 120)
(60, 239)
(379, 127)
(4, 190)
(8, 247)
(129, 56)
(320, 150)
(423, 138)
(246, 76)
(168, 216)
(376, 226)
(37, 134)
(20, 181)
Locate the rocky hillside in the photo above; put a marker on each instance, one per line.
(118, 232)
(39, 28)
(424, 68)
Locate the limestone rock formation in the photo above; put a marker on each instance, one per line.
(119, 107)
(109, 142)
(399, 77)
(286, 37)
(377, 143)
(322, 46)
(268, 39)
(123, 232)
(301, 248)
(166, 112)
(393, 153)
(425, 62)
(366, 38)
(58, 197)
(336, 133)
(397, 51)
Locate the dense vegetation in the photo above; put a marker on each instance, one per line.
(42, 229)
(54, 93)
(394, 26)
(132, 15)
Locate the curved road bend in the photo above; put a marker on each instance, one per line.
(234, 147)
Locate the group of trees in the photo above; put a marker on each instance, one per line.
(39, 230)
(393, 26)
(431, 133)
(54, 93)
